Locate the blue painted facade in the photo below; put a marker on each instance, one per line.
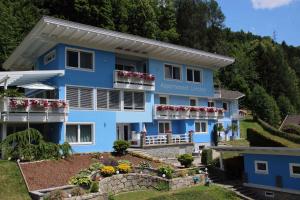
(278, 165)
(105, 122)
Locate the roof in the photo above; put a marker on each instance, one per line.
(50, 31)
(17, 78)
(260, 150)
(230, 94)
(291, 120)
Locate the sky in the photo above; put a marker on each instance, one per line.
(263, 17)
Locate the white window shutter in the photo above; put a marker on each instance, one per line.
(72, 96)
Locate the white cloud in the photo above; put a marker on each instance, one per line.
(269, 4)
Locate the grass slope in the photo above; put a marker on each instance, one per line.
(192, 193)
(11, 181)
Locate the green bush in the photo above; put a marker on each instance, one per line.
(206, 156)
(120, 146)
(274, 131)
(56, 195)
(81, 180)
(186, 160)
(77, 191)
(256, 139)
(292, 129)
(165, 170)
(162, 186)
(94, 187)
(95, 166)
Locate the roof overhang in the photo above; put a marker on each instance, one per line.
(50, 31)
(19, 78)
(260, 150)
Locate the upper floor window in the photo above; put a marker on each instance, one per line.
(261, 167)
(108, 99)
(134, 100)
(172, 72)
(210, 104)
(164, 127)
(295, 170)
(80, 97)
(80, 59)
(225, 106)
(193, 75)
(163, 100)
(201, 127)
(49, 57)
(193, 102)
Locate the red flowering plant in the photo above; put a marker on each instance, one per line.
(59, 104)
(149, 77)
(193, 109)
(211, 110)
(181, 108)
(171, 108)
(39, 103)
(202, 109)
(220, 111)
(162, 108)
(16, 103)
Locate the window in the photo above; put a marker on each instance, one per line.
(295, 170)
(49, 57)
(108, 99)
(79, 133)
(164, 127)
(201, 127)
(134, 100)
(261, 167)
(80, 59)
(163, 100)
(210, 104)
(193, 102)
(172, 72)
(80, 97)
(225, 106)
(193, 75)
(269, 194)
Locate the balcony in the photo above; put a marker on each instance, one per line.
(186, 112)
(134, 80)
(15, 109)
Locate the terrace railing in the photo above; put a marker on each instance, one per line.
(165, 139)
(134, 80)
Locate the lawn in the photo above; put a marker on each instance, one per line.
(11, 181)
(197, 192)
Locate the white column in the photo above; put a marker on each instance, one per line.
(3, 135)
(221, 161)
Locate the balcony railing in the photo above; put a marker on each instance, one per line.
(186, 112)
(167, 139)
(134, 80)
(16, 109)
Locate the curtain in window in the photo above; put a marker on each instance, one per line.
(71, 134)
(168, 71)
(85, 133)
(139, 100)
(128, 100)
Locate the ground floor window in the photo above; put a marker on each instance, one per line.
(200, 127)
(295, 170)
(261, 167)
(164, 127)
(79, 133)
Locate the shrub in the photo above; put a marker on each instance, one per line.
(144, 165)
(96, 166)
(94, 187)
(256, 139)
(77, 191)
(183, 173)
(167, 170)
(186, 160)
(124, 162)
(65, 149)
(57, 195)
(124, 168)
(107, 171)
(80, 180)
(162, 186)
(120, 146)
(206, 156)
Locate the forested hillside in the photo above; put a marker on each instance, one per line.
(267, 72)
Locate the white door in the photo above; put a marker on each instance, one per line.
(123, 132)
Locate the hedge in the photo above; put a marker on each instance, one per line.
(256, 139)
(206, 156)
(234, 167)
(274, 131)
(292, 129)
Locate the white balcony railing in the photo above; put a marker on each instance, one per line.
(180, 138)
(186, 112)
(134, 80)
(19, 109)
(156, 139)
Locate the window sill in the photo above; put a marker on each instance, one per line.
(262, 172)
(201, 132)
(80, 69)
(81, 143)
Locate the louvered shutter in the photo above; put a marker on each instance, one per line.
(86, 98)
(73, 96)
(102, 97)
(128, 100)
(139, 100)
(114, 99)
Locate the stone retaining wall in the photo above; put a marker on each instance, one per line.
(169, 150)
(133, 181)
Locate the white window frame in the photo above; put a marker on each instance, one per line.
(213, 102)
(173, 65)
(78, 51)
(206, 124)
(269, 194)
(107, 103)
(227, 106)
(132, 110)
(292, 174)
(78, 132)
(258, 171)
(194, 69)
(164, 122)
(53, 57)
(165, 96)
(193, 98)
(94, 106)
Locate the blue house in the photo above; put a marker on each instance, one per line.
(90, 86)
(273, 172)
